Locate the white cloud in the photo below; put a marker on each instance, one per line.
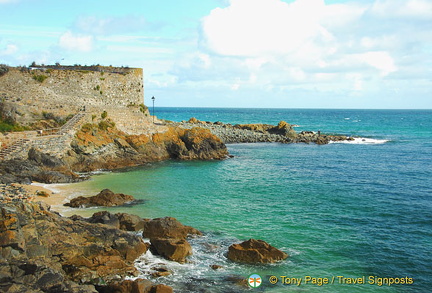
(110, 25)
(10, 49)
(379, 60)
(403, 8)
(272, 43)
(256, 27)
(74, 42)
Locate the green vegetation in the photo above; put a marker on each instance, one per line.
(104, 115)
(97, 88)
(143, 108)
(105, 124)
(7, 126)
(40, 77)
(87, 127)
(93, 117)
(3, 69)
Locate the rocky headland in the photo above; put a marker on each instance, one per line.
(283, 132)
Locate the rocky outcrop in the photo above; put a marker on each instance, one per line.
(252, 133)
(105, 198)
(255, 251)
(168, 238)
(40, 251)
(167, 227)
(135, 286)
(172, 249)
(122, 221)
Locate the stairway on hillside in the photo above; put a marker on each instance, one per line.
(71, 123)
(46, 137)
(15, 147)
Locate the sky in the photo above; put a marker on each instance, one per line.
(364, 54)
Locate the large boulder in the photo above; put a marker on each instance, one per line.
(168, 238)
(167, 227)
(130, 222)
(255, 251)
(172, 249)
(105, 198)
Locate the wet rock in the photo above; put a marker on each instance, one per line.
(172, 249)
(161, 272)
(104, 198)
(167, 227)
(161, 289)
(255, 251)
(216, 267)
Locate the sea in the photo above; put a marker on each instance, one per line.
(353, 216)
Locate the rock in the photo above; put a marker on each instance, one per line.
(40, 250)
(130, 222)
(104, 198)
(167, 227)
(193, 120)
(216, 267)
(172, 249)
(255, 251)
(161, 289)
(106, 218)
(161, 272)
(127, 286)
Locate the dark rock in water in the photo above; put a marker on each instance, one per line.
(216, 267)
(161, 289)
(237, 280)
(167, 227)
(255, 251)
(172, 249)
(105, 198)
(161, 272)
(168, 238)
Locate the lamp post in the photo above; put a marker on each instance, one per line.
(153, 99)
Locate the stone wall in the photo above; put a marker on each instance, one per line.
(64, 92)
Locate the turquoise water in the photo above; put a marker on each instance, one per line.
(352, 210)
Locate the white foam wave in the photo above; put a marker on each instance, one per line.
(362, 140)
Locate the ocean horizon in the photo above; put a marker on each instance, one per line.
(349, 212)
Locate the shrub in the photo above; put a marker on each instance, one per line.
(93, 117)
(104, 125)
(104, 115)
(3, 69)
(87, 127)
(40, 77)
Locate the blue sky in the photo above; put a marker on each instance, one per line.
(239, 53)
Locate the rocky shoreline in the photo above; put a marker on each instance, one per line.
(254, 133)
(42, 251)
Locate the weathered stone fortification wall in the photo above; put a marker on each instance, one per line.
(63, 92)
